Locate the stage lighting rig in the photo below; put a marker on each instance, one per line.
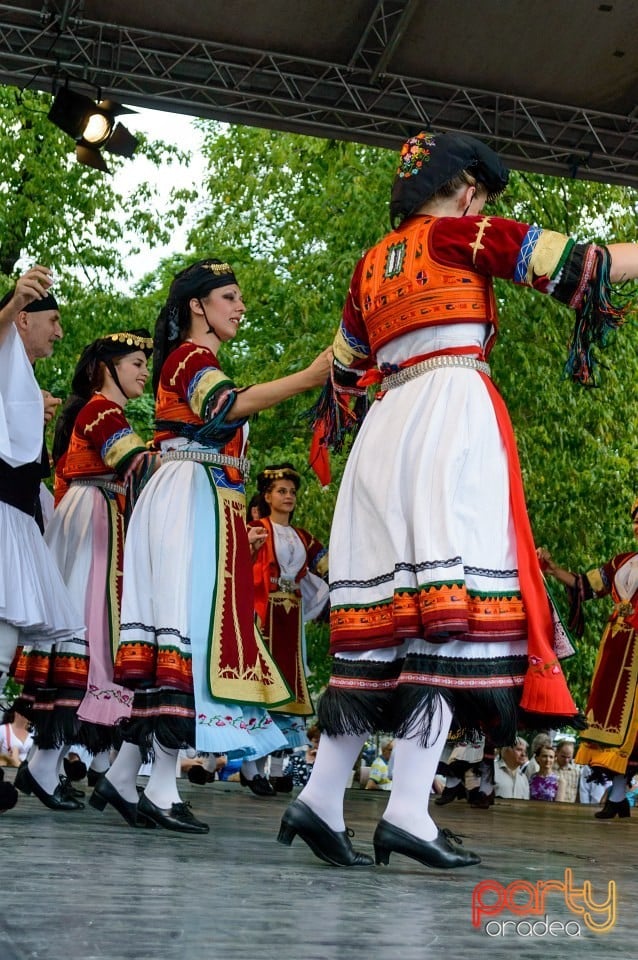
(93, 126)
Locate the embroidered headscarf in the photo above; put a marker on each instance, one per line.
(430, 160)
(197, 281)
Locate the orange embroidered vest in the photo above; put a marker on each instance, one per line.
(404, 288)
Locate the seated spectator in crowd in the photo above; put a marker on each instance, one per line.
(16, 739)
(380, 777)
(300, 764)
(568, 771)
(540, 740)
(544, 784)
(592, 791)
(509, 779)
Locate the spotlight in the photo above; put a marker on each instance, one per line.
(93, 126)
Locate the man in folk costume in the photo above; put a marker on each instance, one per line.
(438, 607)
(35, 607)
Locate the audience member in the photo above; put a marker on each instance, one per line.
(380, 777)
(544, 785)
(540, 740)
(568, 771)
(510, 781)
(16, 739)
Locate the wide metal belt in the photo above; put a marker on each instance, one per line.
(209, 456)
(109, 485)
(433, 363)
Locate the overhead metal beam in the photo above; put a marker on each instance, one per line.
(269, 89)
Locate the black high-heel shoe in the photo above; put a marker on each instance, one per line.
(330, 846)
(92, 776)
(449, 794)
(8, 794)
(439, 853)
(259, 785)
(177, 817)
(25, 782)
(614, 808)
(104, 792)
(68, 790)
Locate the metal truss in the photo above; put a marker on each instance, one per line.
(360, 101)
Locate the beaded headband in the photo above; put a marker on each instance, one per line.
(282, 474)
(131, 340)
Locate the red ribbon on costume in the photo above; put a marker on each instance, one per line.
(319, 456)
(544, 688)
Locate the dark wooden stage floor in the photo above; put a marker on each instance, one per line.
(84, 886)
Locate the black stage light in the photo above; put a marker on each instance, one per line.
(93, 126)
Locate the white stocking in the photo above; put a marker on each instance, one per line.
(122, 773)
(414, 771)
(618, 789)
(161, 788)
(101, 762)
(487, 777)
(324, 792)
(43, 767)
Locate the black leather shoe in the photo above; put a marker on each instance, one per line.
(282, 784)
(26, 783)
(92, 776)
(8, 796)
(440, 853)
(105, 792)
(449, 794)
(614, 808)
(329, 846)
(69, 790)
(479, 800)
(259, 785)
(178, 817)
(199, 775)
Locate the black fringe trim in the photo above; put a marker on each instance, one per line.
(342, 713)
(173, 733)
(413, 711)
(55, 728)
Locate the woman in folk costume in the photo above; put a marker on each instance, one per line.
(71, 694)
(437, 601)
(609, 743)
(287, 569)
(188, 642)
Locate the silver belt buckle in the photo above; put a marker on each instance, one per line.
(287, 585)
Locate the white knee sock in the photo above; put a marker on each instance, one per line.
(487, 777)
(161, 788)
(101, 762)
(43, 766)
(414, 771)
(249, 769)
(123, 771)
(336, 756)
(451, 782)
(618, 789)
(277, 765)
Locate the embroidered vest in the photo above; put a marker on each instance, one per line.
(404, 288)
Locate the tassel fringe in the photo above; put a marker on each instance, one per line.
(596, 318)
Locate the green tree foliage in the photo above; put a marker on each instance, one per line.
(68, 216)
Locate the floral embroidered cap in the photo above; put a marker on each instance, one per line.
(430, 160)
